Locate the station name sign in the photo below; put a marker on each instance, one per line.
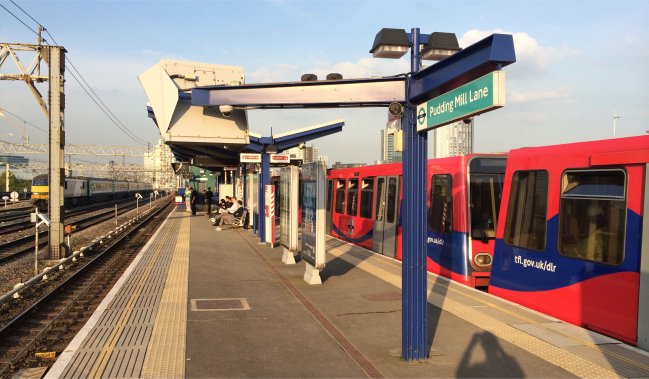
(249, 158)
(478, 96)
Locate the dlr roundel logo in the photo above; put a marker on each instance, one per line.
(421, 116)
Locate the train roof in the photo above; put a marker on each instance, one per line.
(45, 176)
(600, 152)
(397, 166)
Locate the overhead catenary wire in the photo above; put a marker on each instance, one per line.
(18, 18)
(4, 110)
(86, 88)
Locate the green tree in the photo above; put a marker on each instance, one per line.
(15, 184)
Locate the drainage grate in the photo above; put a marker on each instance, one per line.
(381, 296)
(240, 304)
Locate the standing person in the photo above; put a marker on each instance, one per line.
(208, 200)
(188, 198)
(193, 196)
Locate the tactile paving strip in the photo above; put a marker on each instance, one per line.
(121, 339)
(166, 352)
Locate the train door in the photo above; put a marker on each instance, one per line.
(387, 216)
(330, 198)
(643, 314)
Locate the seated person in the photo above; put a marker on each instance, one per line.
(235, 206)
(220, 208)
(230, 217)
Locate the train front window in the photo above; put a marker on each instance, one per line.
(352, 197)
(592, 215)
(485, 191)
(526, 211)
(340, 196)
(367, 192)
(39, 182)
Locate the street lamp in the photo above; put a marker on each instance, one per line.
(394, 43)
(14, 123)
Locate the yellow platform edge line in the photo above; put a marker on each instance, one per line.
(57, 370)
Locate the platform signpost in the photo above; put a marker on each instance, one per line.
(450, 90)
(288, 212)
(314, 182)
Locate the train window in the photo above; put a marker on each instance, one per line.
(393, 192)
(340, 196)
(367, 192)
(527, 209)
(592, 215)
(39, 182)
(352, 197)
(330, 194)
(380, 204)
(485, 191)
(440, 213)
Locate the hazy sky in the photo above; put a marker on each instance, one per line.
(578, 62)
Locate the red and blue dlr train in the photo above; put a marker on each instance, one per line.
(556, 228)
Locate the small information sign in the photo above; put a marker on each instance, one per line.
(313, 207)
(478, 96)
(249, 158)
(280, 159)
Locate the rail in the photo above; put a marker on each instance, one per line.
(15, 292)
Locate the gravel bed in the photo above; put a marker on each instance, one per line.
(21, 269)
(69, 220)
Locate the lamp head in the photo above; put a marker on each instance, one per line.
(440, 45)
(390, 43)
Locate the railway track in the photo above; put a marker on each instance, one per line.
(16, 220)
(51, 313)
(25, 245)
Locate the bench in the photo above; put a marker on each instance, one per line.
(239, 222)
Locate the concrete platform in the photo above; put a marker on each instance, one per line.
(200, 303)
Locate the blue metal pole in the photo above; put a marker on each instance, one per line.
(264, 179)
(414, 316)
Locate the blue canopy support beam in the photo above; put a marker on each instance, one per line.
(279, 143)
(376, 92)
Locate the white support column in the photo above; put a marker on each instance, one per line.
(56, 101)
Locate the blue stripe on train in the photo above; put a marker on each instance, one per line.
(550, 270)
(360, 239)
(448, 250)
